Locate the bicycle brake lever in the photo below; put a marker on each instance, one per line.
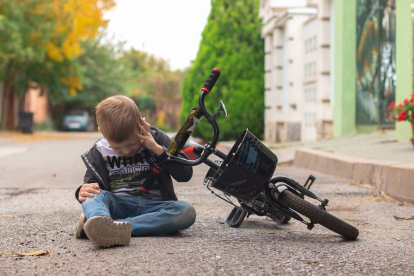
(221, 109)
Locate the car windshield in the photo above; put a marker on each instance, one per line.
(76, 113)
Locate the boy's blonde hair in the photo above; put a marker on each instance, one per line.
(118, 118)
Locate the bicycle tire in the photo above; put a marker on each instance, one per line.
(318, 215)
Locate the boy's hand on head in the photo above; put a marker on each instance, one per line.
(88, 190)
(146, 138)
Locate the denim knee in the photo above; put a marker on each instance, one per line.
(187, 214)
(95, 206)
(96, 197)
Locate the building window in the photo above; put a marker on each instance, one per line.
(310, 95)
(310, 119)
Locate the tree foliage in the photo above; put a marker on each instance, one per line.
(231, 42)
(155, 88)
(147, 75)
(102, 74)
(42, 38)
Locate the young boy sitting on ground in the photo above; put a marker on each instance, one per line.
(114, 205)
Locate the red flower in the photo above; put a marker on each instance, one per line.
(412, 116)
(412, 100)
(391, 106)
(406, 101)
(391, 118)
(400, 106)
(402, 116)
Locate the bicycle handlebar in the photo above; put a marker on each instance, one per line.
(211, 81)
(186, 131)
(207, 87)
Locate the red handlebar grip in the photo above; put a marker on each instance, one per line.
(211, 81)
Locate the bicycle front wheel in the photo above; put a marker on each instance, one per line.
(318, 215)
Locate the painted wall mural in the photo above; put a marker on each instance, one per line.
(376, 77)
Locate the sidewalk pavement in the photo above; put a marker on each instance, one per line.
(376, 158)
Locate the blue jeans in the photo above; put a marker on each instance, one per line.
(147, 216)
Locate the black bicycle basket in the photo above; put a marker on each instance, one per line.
(246, 170)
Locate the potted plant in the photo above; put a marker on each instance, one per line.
(403, 111)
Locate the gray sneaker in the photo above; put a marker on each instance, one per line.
(80, 233)
(107, 232)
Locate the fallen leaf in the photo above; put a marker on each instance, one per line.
(53, 174)
(397, 264)
(35, 253)
(397, 239)
(404, 218)
(30, 253)
(353, 251)
(356, 182)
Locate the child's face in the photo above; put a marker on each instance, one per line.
(128, 147)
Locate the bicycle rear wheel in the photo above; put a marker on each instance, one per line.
(318, 215)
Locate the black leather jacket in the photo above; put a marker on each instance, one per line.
(98, 173)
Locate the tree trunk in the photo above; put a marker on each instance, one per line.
(8, 91)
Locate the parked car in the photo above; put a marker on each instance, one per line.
(78, 120)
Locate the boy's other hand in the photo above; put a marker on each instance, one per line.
(88, 190)
(146, 138)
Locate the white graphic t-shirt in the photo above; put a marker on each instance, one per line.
(127, 174)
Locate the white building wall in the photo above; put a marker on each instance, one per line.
(324, 115)
(310, 84)
(297, 82)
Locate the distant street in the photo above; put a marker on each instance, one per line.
(45, 164)
(38, 211)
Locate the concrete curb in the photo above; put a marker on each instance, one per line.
(396, 179)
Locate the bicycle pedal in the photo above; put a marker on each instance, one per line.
(311, 225)
(309, 182)
(236, 217)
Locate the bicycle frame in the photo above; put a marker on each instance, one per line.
(245, 172)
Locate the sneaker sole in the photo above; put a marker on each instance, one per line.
(80, 233)
(105, 232)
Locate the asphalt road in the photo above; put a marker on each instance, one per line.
(38, 211)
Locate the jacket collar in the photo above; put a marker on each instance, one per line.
(95, 163)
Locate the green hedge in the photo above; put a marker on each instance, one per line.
(231, 42)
